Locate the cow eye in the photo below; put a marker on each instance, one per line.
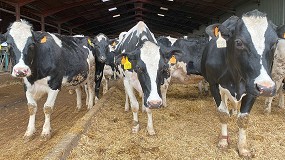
(239, 43)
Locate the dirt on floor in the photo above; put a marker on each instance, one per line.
(14, 119)
(187, 129)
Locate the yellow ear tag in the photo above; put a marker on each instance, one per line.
(113, 44)
(0, 46)
(90, 43)
(216, 31)
(283, 35)
(123, 61)
(44, 39)
(127, 64)
(221, 42)
(172, 60)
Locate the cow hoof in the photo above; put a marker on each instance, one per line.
(28, 138)
(150, 131)
(223, 143)
(267, 111)
(245, 153)
(45, 137)
(136, 128)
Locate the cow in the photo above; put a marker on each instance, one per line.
(144, 68)
(185, 64)
(278, 70)
(236, 63)
(46, 62)
(101, 44)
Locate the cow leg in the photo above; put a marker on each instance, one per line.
(223, 113)
(90, 95)
(32, 107)
(134, 104)
(150, 129)
(224, 118)
(105, 85)
(164, 89)
(268, 102)
(48, 107)
(78, 98)
(242, 122)
(87, 94)
(279, 86)
(143, 106)
(127, 106)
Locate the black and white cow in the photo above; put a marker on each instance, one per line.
(101, 43)
(46, 62)
(278, 70)
(144, 69)
(239, 71)
(186, 63)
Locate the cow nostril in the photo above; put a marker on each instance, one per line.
(260, 88)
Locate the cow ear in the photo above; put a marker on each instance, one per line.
(170, 54)
(113, 42)
(281, 31)
(134, 55)
(214, 29)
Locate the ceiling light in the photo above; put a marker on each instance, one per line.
(105, 0)
(112, 9)
(171, 0)
(117, 15)
(160, 15)
(163, 8)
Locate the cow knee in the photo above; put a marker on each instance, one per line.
(47, 110)
(223, 116)
(243, 120)
(32, 109)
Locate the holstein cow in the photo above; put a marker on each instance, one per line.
(185, 64)
(239, 69)
(46, 62)
(278, 70)
(101, 43)
(144, 69)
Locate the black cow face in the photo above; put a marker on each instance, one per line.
(250, 47)
(152, 68)
(21, 42)
(101, 47)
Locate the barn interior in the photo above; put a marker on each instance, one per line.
(176, 18)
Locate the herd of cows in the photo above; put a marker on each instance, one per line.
(243, 58)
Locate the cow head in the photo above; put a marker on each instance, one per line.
(20, 39)
(101, 43)
(151, 67)
(249, 51)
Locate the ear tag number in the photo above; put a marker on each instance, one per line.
(44, 39)
(127, 64)
(172, 60)
(221, 42)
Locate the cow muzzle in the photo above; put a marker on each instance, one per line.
(266, 89)
(21, 72)
(154, 104)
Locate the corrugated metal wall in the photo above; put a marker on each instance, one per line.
(275, 10)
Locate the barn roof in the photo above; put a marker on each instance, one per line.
(90, 17)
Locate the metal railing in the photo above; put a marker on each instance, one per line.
(5, 61)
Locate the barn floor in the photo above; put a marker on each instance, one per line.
(187, 129)
(14, 119)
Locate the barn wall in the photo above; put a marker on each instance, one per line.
(275, 10)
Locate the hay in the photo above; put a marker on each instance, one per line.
(187, 129)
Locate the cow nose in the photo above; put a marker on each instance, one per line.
(21, 73)
(102, 59)
(266, 89)
(154, 104)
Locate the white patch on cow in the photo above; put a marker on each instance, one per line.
(20, 31)
(172, 40)
(258, 40)
(64, 80)
(150, 55)
(101, 37)
(122, 35)
(56, 39)
(139, 28)
(124, 51)
(90, 59)
(144, 38)
(38, 89)
(229, 95)
(78, 35)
